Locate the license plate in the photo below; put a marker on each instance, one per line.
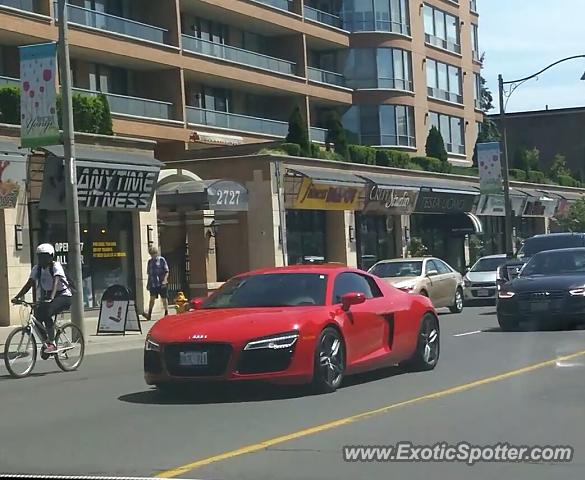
(192, 358)
(539, 306)
(483, 292)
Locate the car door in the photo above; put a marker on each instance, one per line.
(363, 326)
(434, 284)
(448, 282)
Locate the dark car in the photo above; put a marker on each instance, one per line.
(550, 289)
(538, 243)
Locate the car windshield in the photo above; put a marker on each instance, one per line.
(271, 290)
(397, 269)
(555, 263)
(488, 264)
(534, 245)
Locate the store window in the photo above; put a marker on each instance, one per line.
(305, 235)
(375, 239)
(107, 248)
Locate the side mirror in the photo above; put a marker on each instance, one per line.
(353, 298)
(430, 273)
(197, 303)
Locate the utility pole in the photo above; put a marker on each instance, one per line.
(505, 173)
(71, 202)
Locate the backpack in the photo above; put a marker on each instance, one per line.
(66, 281)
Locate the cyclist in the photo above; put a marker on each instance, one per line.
(53, 291)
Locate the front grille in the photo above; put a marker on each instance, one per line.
(264, 360)
(152, 363)
(541, 296)
(218, 356)
(491, 293)
(483, 285)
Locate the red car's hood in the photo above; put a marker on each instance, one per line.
(233, 324)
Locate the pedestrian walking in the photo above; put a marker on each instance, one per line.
(158, 279)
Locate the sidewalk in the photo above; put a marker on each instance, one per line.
(102, 343)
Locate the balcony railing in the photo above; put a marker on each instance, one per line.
(318, 134)
(26, 5)
(9, 82)
(323, 17)
(444, 95)
(388, 140)
(457, 149)
(360, 23)
(112, 23)
(441, 43)
(234, 121)
(476, 57)
(238, 55)
(135, 106)
(280, 4)
(325, 76)
(385, 83)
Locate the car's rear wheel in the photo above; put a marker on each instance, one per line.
(508, 323)
(457, 306)
(428, 345)
(329, 361)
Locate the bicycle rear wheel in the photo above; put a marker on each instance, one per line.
(20, 352)
(70, 347)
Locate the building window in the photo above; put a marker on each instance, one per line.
(477, 90)
(376, 15)
(382, 125)
(475, 41)
(444, 81)
(441, 29)
(452, 130)
(473, 5)
(386, 68)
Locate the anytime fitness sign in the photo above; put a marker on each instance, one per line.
(392, 201)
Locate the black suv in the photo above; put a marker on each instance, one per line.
(539, 243)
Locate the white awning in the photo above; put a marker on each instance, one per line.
(216, 138)
(476, 222)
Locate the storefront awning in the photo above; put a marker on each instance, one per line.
(102, 157)
(327, 176)
(539, 204)
(193, 195)
(476, 222)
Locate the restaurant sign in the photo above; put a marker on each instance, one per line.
(390, 200)
(444, 202)
(540, 207)
(314, 196)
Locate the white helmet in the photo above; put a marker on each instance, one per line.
(46, 248)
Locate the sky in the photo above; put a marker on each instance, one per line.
(521, 37)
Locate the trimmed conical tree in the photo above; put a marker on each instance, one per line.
(435, 146)
(298, 132)
(105, 126)
(336, 135)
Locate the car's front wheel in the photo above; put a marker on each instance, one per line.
(457, 306)
(329, 361)
(428, 346)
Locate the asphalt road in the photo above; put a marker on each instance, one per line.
(103, 419)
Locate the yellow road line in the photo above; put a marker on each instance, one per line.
(175, 472)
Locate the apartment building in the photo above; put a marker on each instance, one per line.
(192, 72)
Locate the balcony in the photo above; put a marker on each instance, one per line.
(26, 5)
(238, 55)
(442, 43)
(456, 149)
(114, 24)
(325, 76)
(134, 106)
(444, 95)
(233, 121)
(318, 134)
(286, 5)
(323, 17)
(9, 82)
(476, 56)
(388, 140)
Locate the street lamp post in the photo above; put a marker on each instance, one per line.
(508, 226)
(71, 201)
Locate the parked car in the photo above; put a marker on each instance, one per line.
(549, 289)
(293, 325)
(479, 283)
(538, 243)
(427, 276)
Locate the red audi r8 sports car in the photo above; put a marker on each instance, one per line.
(294, 325)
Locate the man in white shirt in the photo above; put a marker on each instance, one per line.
(53, 290)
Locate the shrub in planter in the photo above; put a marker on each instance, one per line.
(10, 105)
(431, 164)
(292, 149)
(362, 154)
(517, 174)
(534, 176)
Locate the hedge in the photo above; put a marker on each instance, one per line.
(10, 105)
(517, 174)
(362, 154)
(292, 149)
(431, 164)
(392, 158)
(534, 176)
(568, 181)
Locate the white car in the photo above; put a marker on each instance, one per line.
(479, 283)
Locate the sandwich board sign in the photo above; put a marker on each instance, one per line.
(118, 312)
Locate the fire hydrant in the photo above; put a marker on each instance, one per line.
(181, 303)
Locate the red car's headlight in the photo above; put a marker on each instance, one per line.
(274, 342)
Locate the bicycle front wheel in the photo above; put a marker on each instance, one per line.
(70, 347)
(20, 352)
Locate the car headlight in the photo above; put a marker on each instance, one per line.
(151, 346)
(466, 282)
(578, 292)
(274, 342)
(407, 288)
(505, 294)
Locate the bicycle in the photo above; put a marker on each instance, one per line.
(21, 345)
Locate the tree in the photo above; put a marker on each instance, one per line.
(298, 132)
(526, 159)
(435, 146)
(336, 135)
(488, 132)
(574, 221)
(105, 125)
(559, 167)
